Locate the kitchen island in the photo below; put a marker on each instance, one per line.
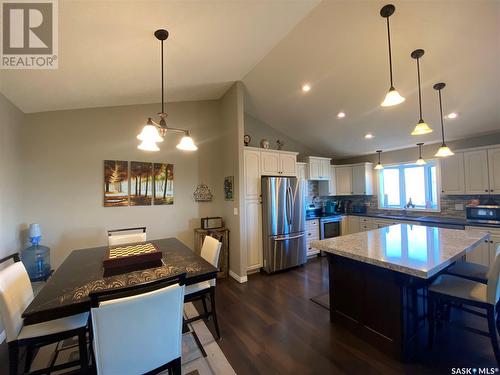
(378, 279)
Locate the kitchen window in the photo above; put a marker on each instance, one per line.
(409, 186)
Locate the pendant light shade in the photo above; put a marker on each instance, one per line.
(393, 97)
(420, 160)
(421, 127)
(444, 150)
(379, 165)
(187, 144)
(153, 132)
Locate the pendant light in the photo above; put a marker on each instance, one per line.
(153, 132)
(392, 97)
(444, 150)
(421, 127)
(379, 165)
(420, 160)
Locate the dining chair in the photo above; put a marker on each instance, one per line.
(126, 235)
(16, 294)
(138, 329)
(458, 292)
(210, 251)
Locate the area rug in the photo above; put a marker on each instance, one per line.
(193, 362)
(323, 300)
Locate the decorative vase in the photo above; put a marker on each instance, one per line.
(264, 143)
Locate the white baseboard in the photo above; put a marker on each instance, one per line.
(240, 279)
(2, 337)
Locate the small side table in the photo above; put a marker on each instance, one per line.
(222, 234)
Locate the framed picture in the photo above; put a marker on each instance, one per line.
(164, 183)
(141, 183)
(115, 183)
(229, 188)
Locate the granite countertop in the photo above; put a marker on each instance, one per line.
(430, 219)
(411, 249)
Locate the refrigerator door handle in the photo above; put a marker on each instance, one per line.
(289, 205)
(292, 209)
(289, 238)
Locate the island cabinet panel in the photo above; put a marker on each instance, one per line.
(380, 305)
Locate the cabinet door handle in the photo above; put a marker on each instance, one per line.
(492, 190)
(486, 190)
(442, 191)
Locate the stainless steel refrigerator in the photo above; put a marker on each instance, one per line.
(283, 223)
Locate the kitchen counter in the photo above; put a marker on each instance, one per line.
(377, 280)
(410, 249)
(429, 219)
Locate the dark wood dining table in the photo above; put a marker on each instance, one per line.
(67, 291)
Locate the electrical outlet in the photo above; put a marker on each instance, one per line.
(459, 207)
(235, 211)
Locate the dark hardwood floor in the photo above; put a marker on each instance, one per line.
(270, 326)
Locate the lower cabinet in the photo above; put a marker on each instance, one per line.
(485, 253)
(312, 233)
(253, 234)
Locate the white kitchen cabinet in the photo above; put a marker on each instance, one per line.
(343, 180)
(278, 163)
(452, 174)
(476, 172)
(301, 171)
(362, 179)
(253, 234)
(251, 174)
(494, 169)
(485, 253)
(312, 233)
(328, 187)
(352, 225)
(318, 168)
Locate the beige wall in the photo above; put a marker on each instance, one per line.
(259, 130)
(428, 151)
(233, 129)
(11, 119)
(62, 157)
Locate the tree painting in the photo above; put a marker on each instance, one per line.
(141, 183)
(164, 183)
(115, 183)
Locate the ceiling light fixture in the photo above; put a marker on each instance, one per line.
(420, 160)
(421, 127)
(153, 132)
(306, 87)
(444, 150)
(379, 165)
(452, 115)
(369, 136)
(393, 97)
(341, 115)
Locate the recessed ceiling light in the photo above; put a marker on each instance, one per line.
(306, 87)
(368, 136)
(452, 115)
(341, 114)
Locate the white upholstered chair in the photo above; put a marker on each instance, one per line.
(459, 292)
(210, 251)
(127, 235)
(16, 294)
(138, 330)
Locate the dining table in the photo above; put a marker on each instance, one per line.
(67, 291)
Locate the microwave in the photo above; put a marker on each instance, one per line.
(484, 214)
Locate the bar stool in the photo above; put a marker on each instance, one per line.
(459, 292)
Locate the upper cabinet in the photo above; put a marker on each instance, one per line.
(328, 187)
(474, 172)
(494, 169)
(318, 168)
(452, 174)
(301, 171)
(354, 179)
(278, 163)
(252, 174)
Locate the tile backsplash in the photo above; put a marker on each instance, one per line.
(449, 203)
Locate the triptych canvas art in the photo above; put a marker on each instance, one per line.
(144, 184)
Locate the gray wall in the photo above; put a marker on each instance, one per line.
(258, 130)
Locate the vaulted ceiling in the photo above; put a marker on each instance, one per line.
(341, 49)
